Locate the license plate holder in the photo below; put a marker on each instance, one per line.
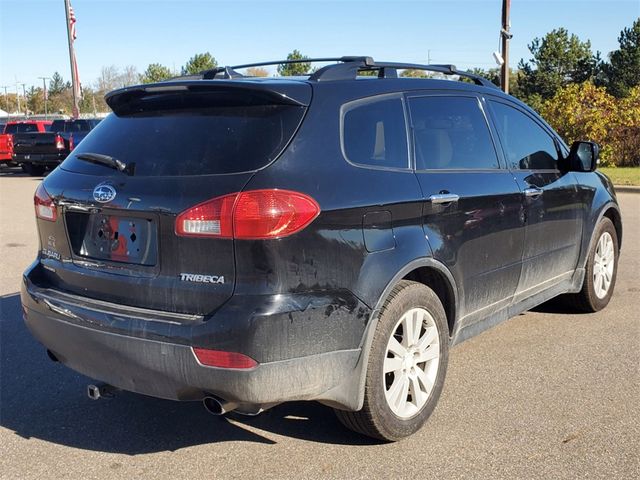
(120, 239)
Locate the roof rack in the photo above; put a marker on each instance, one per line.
(348, 69)
(230, 71)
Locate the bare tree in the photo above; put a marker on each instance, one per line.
(129, 76)
(109, 79)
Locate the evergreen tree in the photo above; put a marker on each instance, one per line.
(294, 69)
(623, 71)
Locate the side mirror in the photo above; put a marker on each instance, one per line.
(583, 156)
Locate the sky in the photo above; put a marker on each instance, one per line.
(33, 36)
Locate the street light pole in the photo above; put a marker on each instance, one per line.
(44, 90)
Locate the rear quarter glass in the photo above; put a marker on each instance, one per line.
(177, 136)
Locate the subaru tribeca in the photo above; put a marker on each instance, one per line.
(249, 241)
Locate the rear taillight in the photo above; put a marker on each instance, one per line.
(45, 208)
(252, 215)
(220, 359)
(71, 143)
(59, 142)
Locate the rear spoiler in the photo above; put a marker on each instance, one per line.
(272, 92)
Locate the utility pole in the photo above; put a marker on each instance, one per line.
(46, 97)
(505, 34)
(18, 96)
(24, 95)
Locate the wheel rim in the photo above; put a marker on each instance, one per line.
(411, 362)
(603, 264)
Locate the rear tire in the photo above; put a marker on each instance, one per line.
(407, 365)
(33, 170)
(600, 272)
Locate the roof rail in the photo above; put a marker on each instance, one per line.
(347, 68)
(230, 71)
(390, 70)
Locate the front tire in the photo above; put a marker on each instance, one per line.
(600, 272)
(407, 365)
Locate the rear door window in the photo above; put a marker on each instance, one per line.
(374, 133)
(451, 133)
(176, 138)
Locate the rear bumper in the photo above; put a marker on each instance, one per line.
(47, 159)
(88, 342)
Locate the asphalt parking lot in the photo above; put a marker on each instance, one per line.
(548, 394)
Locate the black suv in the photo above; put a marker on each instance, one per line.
(249, 241)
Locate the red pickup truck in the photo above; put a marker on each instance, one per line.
(6, 137)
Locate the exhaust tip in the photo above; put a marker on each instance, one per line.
(96, 392)
(217, 406)
(93, 392)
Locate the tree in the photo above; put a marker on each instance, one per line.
(582, 112)
(623, 71)
(35, 100)
(57, 84)
(625, 136)
(198, 63)
(129, 76)
(294, 69)
(109, 79)
(412, 73)
(155, 72)
(558, 60)
(92, 102)
(257, 72)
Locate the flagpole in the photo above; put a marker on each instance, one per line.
(72, 56)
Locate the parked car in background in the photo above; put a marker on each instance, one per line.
(40, 150)
(12, 128)
(250, 241)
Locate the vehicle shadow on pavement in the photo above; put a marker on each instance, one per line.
(46, 400)
(17, 172)
(556, 305)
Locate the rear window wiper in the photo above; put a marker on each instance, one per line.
(106, 160)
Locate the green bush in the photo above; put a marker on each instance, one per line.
(582, 111)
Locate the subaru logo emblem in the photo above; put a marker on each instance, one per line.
(104, 193)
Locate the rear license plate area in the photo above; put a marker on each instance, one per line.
(113, 238)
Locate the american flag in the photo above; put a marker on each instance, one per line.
(72, 22)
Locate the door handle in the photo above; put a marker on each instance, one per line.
(444, 198)
(532, 192)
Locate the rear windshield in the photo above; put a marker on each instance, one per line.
(21, 128)
(193, 141)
